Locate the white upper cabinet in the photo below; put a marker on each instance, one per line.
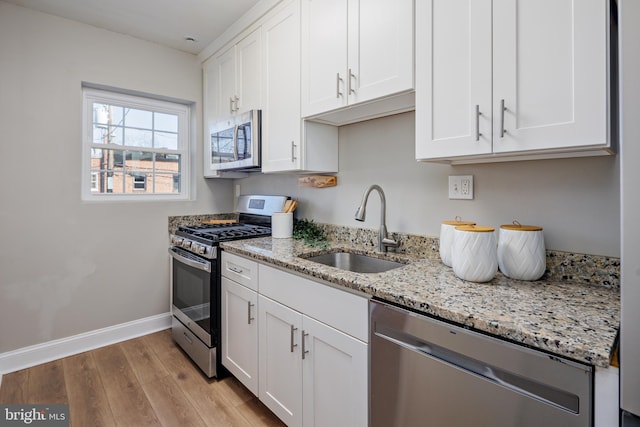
(511, 79)
(233, 77)
(324, 55)
(355, 51)
(288, 143)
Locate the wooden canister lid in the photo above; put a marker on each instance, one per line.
(458, 221)
(516, 226)
(475, 228)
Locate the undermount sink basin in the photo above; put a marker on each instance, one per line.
(355, 262)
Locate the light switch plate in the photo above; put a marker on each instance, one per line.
(461, 187)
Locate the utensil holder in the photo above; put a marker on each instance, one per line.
(282, 225)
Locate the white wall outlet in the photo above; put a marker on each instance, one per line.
(461, 187)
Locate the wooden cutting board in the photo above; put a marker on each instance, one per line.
(220, 221)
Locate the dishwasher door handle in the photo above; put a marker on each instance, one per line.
(551, 395)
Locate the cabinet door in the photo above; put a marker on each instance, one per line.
(225, 82)
(211, 110)
(324, 55)
(380, 48)
(280, 364)
(240, 333)
(281, 136)
(453, 80)
(248, 72)
(335, 377)
(552, 77)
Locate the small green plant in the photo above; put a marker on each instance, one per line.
(309, 232)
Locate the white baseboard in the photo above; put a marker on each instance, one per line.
(41, 353)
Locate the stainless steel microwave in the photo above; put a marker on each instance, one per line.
(234, 143)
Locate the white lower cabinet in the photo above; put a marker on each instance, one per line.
(334, 377)
(310, 374)
(280, 366)
(240, 333)
(299, 345)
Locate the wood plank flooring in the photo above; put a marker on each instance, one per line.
(147, 381)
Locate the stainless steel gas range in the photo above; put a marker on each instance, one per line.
(196, 277)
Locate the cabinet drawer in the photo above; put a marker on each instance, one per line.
(240, 270)
(342, 310)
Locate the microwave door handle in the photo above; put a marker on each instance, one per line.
(235, 142)
(242, 135)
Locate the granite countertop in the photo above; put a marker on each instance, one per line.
(575, 320)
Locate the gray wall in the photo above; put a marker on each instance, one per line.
(67, 267)
(575, 200)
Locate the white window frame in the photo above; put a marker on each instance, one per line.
(91, 95)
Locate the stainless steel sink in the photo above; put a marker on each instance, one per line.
(355, 262)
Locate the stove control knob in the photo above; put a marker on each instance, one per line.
(186, 244)
(201, 249)
(178, 241)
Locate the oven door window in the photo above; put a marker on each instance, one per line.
(192, 293)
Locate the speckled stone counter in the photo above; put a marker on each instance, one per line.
(568, 318)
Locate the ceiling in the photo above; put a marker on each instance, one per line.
(167, 22)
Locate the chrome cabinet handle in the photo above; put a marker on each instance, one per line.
(293, 329)
(233, 103)
(303, 347)
(249, 318)
(502, 110)
(478, 114)
(236, 270)
(350, 88)
(293, 151)
(338, 80)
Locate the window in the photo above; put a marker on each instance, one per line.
(139, 182)
(134, 147)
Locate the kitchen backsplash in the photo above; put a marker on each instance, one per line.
(561, 266)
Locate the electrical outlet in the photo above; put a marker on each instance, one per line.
(237, 191)
(461, 187)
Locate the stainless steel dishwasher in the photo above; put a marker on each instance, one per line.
(425, 372)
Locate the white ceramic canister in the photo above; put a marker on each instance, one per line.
(474, 253)
(521, 251)
(446, 238)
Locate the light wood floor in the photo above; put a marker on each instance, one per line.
(147, 381)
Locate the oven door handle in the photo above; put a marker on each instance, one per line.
(200, 265)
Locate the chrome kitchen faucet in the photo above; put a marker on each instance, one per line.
(384, 241)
